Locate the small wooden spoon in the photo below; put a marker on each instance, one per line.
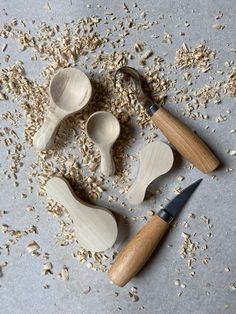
(69, 91)
(156, 158)
(103, 129)
(95, 227)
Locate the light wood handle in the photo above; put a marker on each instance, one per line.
(45, 136)
(187, 143)
(136, 253)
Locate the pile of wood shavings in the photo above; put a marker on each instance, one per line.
(193, 251)
(198, 57)
(230, 85)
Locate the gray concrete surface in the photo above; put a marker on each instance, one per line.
(208, 292)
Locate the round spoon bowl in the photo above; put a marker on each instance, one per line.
(103, 128)
(70, 89)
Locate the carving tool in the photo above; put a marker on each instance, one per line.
(138, 250)
(186, 142)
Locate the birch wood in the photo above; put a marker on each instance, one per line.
(70, 90)
(103, 129)
(186, 142)
(135, 254)
(156, 159)
(95, 227)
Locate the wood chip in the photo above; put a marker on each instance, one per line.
(218, 26)
(64, 274)
(32, 247)
(87, 290)
(47, 268)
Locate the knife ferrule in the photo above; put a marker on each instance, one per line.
(164, 215)
(151, 110)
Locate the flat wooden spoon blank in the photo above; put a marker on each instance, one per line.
(95, 227)
(156, 158)
(69, 92)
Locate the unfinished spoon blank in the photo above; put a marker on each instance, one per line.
(95, 227)
(103, 129)
(156, 158)
(69, 91)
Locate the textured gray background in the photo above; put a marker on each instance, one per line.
(21, 288)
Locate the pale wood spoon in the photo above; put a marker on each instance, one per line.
(156, 158)
(69, 91)
(95, 227)
(103, 129)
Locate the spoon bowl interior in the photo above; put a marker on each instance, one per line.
(103, 128)
(70, 89)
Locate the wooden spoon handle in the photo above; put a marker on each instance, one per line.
(136, 253)
(187, 143)
(45, 136)
(107, 164)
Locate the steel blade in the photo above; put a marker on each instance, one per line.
(174, 207)
(142, 97)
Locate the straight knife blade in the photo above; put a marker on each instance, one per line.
(174, 207)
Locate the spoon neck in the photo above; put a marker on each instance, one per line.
(107, 163)
(55, 114)
(105, 148)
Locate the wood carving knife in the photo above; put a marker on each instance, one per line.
(186, 142)
(135, 254)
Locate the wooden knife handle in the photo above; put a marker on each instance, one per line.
(187, 143)
(136, 253)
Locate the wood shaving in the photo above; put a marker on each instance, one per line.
(4, 47)
(218, 26)
(133, 294)
(231, 152)
(3, 96)
(219, 15)
(64, 274)
(47, 6)
(32, 247)
(47, 268)
(87, 290)
(177, 282)
(232, 286)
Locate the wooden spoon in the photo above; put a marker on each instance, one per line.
(103, 129)
(69, 91)
(156, 158)
(95, 227)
